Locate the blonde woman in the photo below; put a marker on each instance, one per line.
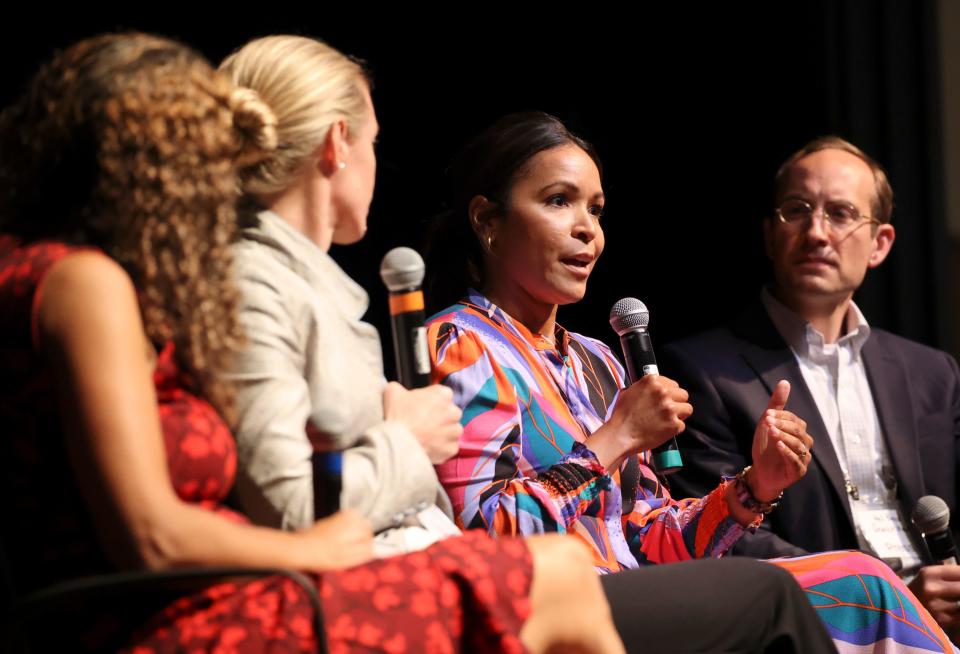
(312, 367)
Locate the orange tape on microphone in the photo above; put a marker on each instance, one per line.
(406, 302)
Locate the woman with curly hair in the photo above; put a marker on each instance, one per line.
(117, 193)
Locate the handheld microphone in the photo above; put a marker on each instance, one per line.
(931, 517)
(327, 483)
(402, 272)
(327, 467)
(629, 318)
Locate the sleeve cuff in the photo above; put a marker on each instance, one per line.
(576, 470)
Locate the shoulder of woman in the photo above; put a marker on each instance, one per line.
(84, 289)
(461, 322)
(451, 313)
(454, 342)
(87, 271)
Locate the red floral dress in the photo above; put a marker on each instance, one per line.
(463, 594)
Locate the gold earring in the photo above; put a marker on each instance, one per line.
(489, 244)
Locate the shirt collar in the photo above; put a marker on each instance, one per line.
(803, 338)
(503, 320)
(306, 259)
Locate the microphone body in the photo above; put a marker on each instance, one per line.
(402, 272)
(931, 517)
(638, 355)
(327, 482)
(629, 318)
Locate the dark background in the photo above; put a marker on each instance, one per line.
(692, 111)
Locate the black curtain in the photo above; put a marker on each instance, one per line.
(692, 110)
(883, 94)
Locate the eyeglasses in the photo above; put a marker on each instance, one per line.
(841, 216)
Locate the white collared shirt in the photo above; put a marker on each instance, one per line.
(837, 379)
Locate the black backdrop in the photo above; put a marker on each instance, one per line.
(691, 109)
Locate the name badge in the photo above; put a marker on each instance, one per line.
(884, 530)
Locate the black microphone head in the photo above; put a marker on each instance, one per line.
(629, 314)
(931, 515)
(402, 269)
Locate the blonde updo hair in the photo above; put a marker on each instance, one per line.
(309, 86)
(256, 124)
(131, 143)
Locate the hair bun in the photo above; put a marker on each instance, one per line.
(256, 123)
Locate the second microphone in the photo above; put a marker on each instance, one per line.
(402, 272)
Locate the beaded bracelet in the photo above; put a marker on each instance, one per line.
(745, 496)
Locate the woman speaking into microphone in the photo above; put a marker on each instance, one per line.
(550, 432)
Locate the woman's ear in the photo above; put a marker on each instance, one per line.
(483, 215)
(332, 153)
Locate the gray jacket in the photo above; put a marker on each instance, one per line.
(310, 357)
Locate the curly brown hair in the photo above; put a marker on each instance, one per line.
(130, 143)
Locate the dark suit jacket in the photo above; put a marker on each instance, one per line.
(730, 373)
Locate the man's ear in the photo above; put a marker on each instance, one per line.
(882, 243)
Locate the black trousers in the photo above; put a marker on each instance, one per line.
(710, 605)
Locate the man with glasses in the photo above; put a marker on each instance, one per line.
(884, 411)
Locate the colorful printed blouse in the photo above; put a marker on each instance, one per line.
(522, 466)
